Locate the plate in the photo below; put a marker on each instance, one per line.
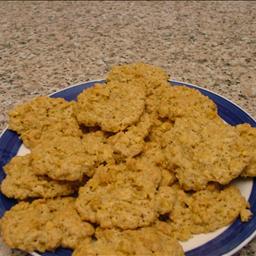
(225, 241)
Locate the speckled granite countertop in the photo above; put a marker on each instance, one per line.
(45, 46)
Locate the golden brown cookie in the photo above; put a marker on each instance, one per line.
(130, 143)
(141, 74)
(124, 196)
(181, 101)
(201, 151)
(97, 147)
(62, 158)
(158, 129)
(145, 241)
(42, 119)
(113, 106)
(204, 211)
(21, 182)
(44, 225)
(248, 135)
(165, 199)
(155, 98)
(155, 156)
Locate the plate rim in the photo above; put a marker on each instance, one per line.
(244, 242)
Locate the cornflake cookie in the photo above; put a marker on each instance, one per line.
(47, 224)
(43, 118)
(118, 196)
(145, 241)
(155, 156)
(153, 79)
(248, 135)
(130, 143)
(158, 129)
(96, 147)
(180, 101)
(140, 74)
(202, 151)
(204, 211)
(113, 106)
(155, 97)
(62, 158)
(22, 183)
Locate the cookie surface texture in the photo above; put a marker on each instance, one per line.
(62, 158)
(113, 106)
(21, 182)
(202, 151)
(141, 74)
(180, 101)
(205, 211)
(130, 143)
(43, 118)
(120, 196)
(47, 224)
(248, 135)
(144, 241)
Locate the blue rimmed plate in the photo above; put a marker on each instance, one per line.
(225, 241)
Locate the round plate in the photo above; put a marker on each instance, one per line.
(225, 241)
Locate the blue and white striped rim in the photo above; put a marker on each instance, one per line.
(227, 243)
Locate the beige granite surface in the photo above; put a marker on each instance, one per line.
(45, 46)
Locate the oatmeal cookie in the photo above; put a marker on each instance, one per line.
(63, 158)
(124, 196)
(130, 143)
(158, 129)
(141, 74)
(181, 101)
(155, 155)
(201, 151)
(155, 97)
(118, 197)
(145, 241)
(248, 135)
(97, 147)
(113, 106)
(204, 211)
(43, 118)
(165, 199)
(47, 224)
(21, 182)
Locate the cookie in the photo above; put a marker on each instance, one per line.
(123, 196)
(165, 199)
(201, 151)
(21, 182)
(140, 74)
(155, 156)
(144, 241)
(113, 106)
(130, 143)
(181, 101)
(248, 135)
(47, 224)
(62, 158)
(97, 147)
(155, 97)
(204, 211)
(164, 195)
(158, 129)
(43, 118)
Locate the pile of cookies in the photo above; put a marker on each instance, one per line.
(131, 168)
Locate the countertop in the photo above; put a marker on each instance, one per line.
(46, 46)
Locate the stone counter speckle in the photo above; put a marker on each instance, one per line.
(46, 46)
